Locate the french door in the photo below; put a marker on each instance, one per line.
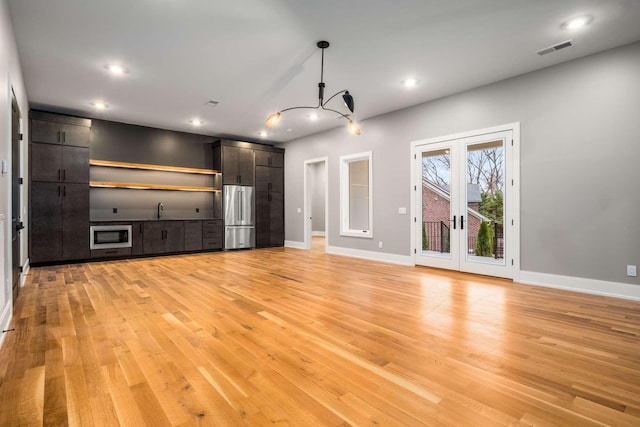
(466, 202)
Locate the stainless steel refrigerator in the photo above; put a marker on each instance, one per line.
(239, 217)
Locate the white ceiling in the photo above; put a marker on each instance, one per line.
(259, 56)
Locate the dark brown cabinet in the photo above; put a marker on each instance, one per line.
(237, 166)
(163, 237)
(59, 179)
(58, 163)
(269, 158)
(193, 235)
(137, 240)
(54, 132)
(270, 219)
(212, 233)
(59, 222)
(269, 179)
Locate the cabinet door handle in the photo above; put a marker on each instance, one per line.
(461, 222)
(58, 136)
(454, 222)
(64, 136)
(64, 191)
(59, 175)
(64, 174)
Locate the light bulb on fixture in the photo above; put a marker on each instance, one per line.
(313, 117)
(116, 69)
(354, 128)
(273, 119)
(196, 122)
(409, 82)
(346, 97)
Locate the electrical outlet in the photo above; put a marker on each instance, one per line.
(632, 271)
(197, 210)
(402, 211)
(380, 244)
(115, 210)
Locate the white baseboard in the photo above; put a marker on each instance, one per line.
(5, 320)
(579, 284)
(318, 233)
(294, 244)
(370, 255)
(25, 271)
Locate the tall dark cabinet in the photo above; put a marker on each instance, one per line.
(262, 166)
(269, 198)
(59, 167)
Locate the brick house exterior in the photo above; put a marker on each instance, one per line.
(435, 209)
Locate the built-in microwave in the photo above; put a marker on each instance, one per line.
(110, 236)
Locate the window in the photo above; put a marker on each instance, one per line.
(356, 209)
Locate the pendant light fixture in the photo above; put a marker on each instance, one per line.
(346, 97)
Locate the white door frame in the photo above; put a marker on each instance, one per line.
(512, 213)
(307, 201)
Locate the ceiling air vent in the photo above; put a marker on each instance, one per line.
(212, 103)
(555, 47)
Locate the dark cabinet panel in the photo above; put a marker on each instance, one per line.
(262, 219)
(270, 219)
(269, 179)
(46, 162)
(192, 235)
(46, 222)
(59, 222)
(137, 242)
(269, 158)
(174, 236)
(107, 253)
(59, 133)
(57, 163)
(75, 221)
(75, 164)
(237, 166)
(163, 236)
(154, 237)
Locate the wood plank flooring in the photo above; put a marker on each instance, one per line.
(300, 338)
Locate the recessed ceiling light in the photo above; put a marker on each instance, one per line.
(263, 134)
(99, 105)
(116, 69)
(196, 122)
(313, 117)
(575, 23)
(411, 82)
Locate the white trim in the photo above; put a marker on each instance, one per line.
(25, 271)
(318, 233)
(294, 244)
(5, 320)
(371, 256)
(306, 211)
(579, 284)
(345, 189)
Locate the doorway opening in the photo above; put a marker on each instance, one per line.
(316, 201)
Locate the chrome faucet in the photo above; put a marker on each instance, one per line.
(160, 210)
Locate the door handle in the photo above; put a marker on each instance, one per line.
(58, 136)
(64, 137)
(461, 222)
(64, 174)
(454, 222)
(59, 174)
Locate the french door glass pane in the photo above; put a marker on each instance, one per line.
(485, 201)
(436, 202)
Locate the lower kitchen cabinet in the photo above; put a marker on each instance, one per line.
(163, 237)
(269, 219)
(137, 240)
(59, 222)
(192, 235)
(212, 234)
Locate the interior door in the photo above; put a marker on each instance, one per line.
(16, 225)
(466, 200)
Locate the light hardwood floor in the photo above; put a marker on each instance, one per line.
(302, 338)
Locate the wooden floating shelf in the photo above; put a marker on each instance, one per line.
(112, 164)
(138, 186)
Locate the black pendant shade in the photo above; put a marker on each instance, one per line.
(346, 97)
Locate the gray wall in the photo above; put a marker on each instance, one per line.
(318, 189)
(580, 155)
